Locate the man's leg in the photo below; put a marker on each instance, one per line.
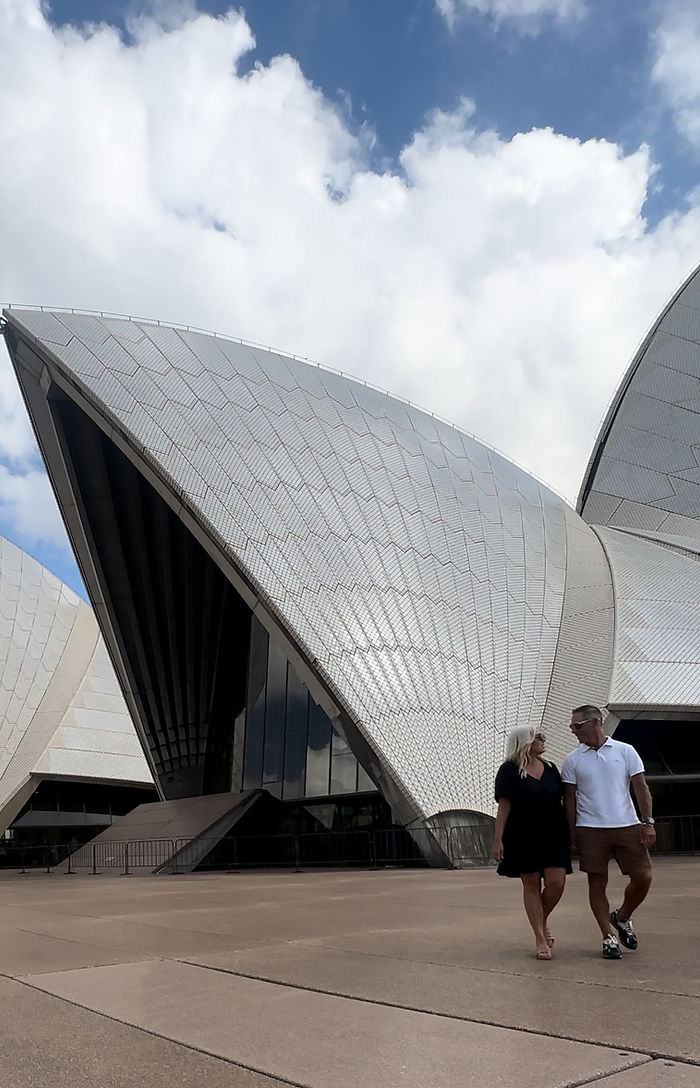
(595, 851)
(635, 893)
(598, 899)
(634, 861)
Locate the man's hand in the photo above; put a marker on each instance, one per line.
(648, 835)
(574, 845)
(497, 851)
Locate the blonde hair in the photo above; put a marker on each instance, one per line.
(518, 746)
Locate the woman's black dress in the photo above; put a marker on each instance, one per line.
(536, 835)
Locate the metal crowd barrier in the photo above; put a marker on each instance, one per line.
(470, 845)
(125, 856)
(298, 852)
(26, 858)
(397, 846)
(457, 846)
(363, 849)
(677, 835)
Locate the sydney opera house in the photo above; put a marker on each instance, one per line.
(312, 590)
(70, 762)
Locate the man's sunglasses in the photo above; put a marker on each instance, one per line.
(577, 725)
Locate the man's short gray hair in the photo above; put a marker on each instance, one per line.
(588, 711)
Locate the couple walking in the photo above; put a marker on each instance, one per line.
(544, 816)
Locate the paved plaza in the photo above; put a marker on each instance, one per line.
(339, 980)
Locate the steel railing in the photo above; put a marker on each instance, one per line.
(677, 835)
(25, 858)
(454, 846)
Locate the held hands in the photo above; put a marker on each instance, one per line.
(574, 846)
(497, 851)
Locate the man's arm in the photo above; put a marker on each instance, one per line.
(570, 809)
(642, 796)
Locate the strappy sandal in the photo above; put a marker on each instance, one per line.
(549, 938)
(543, 954)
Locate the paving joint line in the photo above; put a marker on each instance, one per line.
(652, 1054)
(166, 1038)
(491, 970)
(598, 1077)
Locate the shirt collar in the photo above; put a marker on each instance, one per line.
(590, 748)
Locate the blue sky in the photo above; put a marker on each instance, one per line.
(478, 204)
(390, 62)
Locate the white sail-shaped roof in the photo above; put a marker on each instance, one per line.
(657, 604)
(421, 577)
(642, 487)
(644, 471)
(62, 713)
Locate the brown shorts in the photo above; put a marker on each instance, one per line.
(597, 845)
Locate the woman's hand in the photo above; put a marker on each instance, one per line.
(501, 821)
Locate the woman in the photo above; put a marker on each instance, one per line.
(532, 837)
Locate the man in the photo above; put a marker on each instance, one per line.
(597, 777)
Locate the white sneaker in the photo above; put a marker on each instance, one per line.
(611, 949)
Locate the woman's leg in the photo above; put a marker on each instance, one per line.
(554, 880)
(532, 899)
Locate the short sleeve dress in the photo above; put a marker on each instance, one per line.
(536, 835)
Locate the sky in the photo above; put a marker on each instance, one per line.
(478, 205)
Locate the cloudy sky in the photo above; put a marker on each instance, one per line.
(480, 205)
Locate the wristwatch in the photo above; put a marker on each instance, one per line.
(648, 820)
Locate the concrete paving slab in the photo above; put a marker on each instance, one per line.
(247, 922)
(651, 1021)
(441, 941)
(668, 962)
(24, 952)
(658, 1074)
(124, 936)
(47, 1043)
(321, 1041)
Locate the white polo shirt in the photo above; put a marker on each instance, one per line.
(602, 780)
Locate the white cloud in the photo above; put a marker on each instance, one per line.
(677, 64)
(528, 13)
(500, 283)
(27, 504)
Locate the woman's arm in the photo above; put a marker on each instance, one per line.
(570, 809)
(501, 817)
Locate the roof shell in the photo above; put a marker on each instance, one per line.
(61, 710)
(644, 471)
(421, 575)
(657, 641)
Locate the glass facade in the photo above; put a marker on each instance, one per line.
(220, 705)
(667, 747)
(284, 742)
